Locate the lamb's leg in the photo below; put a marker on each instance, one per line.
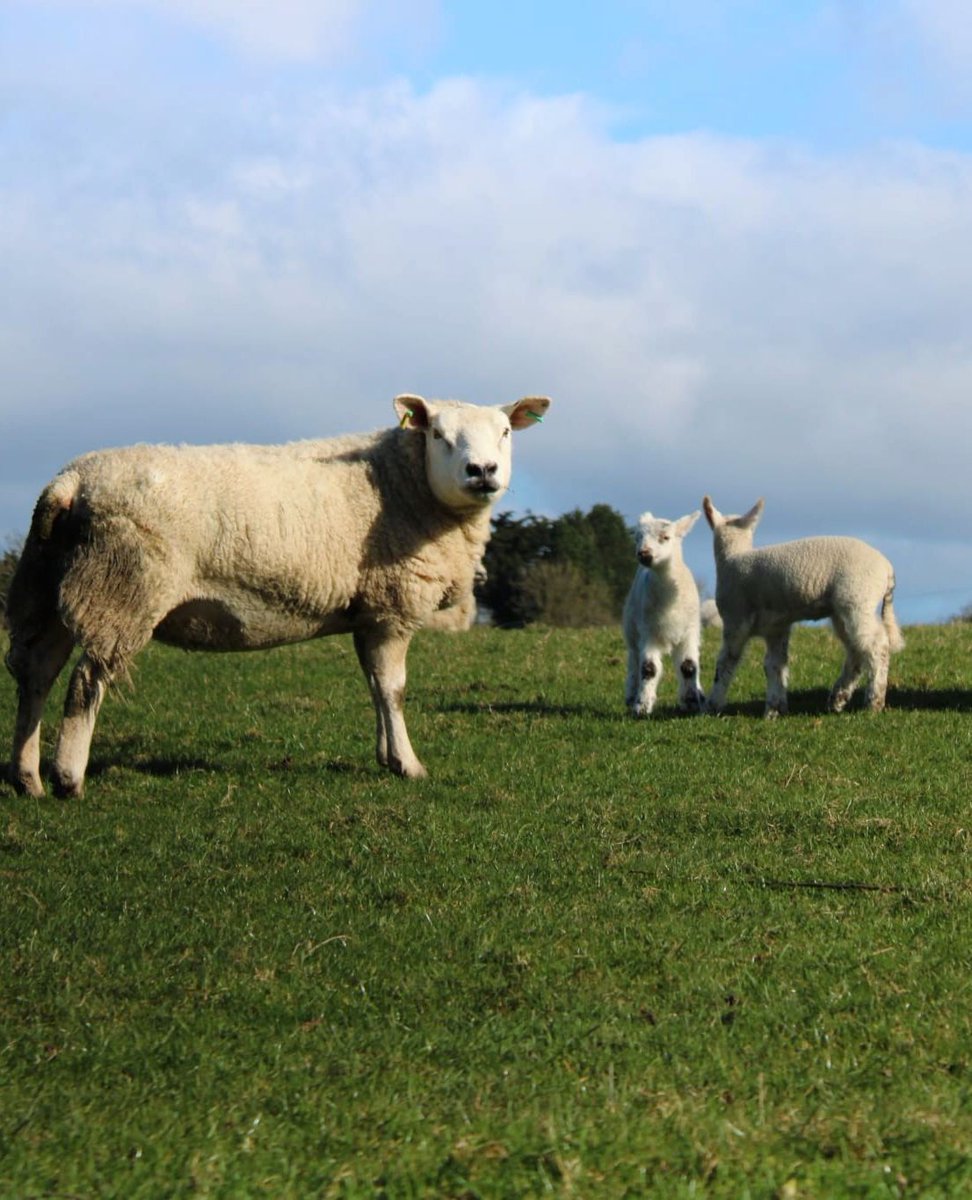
(382, 657)
(775, 664)
(733, 644)
(35, 668)
(631, 678)
(856, 653)
(89, 682)
(877, 658)
(649, 675)
(690, 695)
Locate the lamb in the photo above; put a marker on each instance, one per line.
(241, 547)
(761, 593)
(661, 615)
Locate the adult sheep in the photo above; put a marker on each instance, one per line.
(242, 547)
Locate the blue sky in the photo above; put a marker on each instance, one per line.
(733, 241)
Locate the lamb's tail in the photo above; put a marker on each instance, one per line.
(892, 628)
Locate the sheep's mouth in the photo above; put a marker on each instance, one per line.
(484, 489)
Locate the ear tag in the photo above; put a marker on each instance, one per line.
(406, 417)
(535, 416)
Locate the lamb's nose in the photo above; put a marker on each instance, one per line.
(645, 557)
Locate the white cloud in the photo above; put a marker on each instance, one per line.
(296, 31)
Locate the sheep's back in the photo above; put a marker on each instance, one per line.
(805, 578)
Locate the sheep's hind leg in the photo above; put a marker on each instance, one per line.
(776, 666)
(878, 660)
(853, 667)
(35, 669)
(382, 658)
(89, 682)
(730, 653)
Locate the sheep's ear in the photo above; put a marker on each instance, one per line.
(526, 412)
(751, 519)
(684, 525)
(412, 411)
(712, 514)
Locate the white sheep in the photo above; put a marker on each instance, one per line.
(244, 547)
(661, 616)
(762, 592)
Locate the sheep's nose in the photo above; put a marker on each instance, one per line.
(645, 557)
(484, 471)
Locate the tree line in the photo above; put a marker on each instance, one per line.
(569, 570)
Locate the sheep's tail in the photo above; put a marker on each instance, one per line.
(891, 627)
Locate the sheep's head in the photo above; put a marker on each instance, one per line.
(467, 446)
(733, 534)
(658, 539)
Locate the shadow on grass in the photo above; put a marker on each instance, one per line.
(526, 707)
(167, 768)
(946, 699)
(812, 702)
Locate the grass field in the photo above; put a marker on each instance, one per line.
(588, 957)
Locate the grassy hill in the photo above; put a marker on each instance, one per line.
(588, 957)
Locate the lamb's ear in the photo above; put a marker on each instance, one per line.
(526, 412)
(683, 526)
(712, 514)
(412, 411)
(751, 519)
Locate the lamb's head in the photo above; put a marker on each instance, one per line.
(659, 539)
(467, 446)
(733, 535)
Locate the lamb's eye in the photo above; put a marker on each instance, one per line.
(437, 435)
(506, 432)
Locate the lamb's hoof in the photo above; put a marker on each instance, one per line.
(66, 787)
(694, 705)
(26, 784)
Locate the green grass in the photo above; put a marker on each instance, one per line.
(588, 957)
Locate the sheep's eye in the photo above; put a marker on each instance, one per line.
(506, 432)
(437, 435)
(663, 537)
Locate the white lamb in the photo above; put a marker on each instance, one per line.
(762, 592)
(661, 616)
(245, 547)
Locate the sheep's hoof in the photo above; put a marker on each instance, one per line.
(66, 787)
(26, 784)
(412, 770)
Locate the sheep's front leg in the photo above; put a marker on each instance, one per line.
(632, 676)
(733, 644)
(89, 682)
(382, 658)
(649, 675)
(776, 666)
(35, 669)
(690, 696)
